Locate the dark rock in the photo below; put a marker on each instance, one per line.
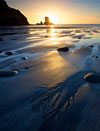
(46, 36)
(8, 73)
(1, 51)
(25, 58)
(9, 53)
(92, 77)
(79, 37)
(47, 22)
(91, 46)
(10, 16)
(63, 49)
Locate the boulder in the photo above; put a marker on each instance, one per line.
(8, 73)
(92, 77)
(10, 16)
(63, 49)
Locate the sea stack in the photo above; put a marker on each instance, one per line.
(47, 22)
(10, 16)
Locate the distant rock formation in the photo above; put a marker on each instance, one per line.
(47, 22)
(10, 16)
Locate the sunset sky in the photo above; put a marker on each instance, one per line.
(59, 11)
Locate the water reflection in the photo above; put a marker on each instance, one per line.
(51, 32)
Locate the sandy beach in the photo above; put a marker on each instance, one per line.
(49, 92)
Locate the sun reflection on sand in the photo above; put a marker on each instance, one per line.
(55, 66)
(55, 43)
(51, 33)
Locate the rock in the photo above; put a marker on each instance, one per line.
(10, 16)
(47, 22)
(91, 46)
(1, 51)
(63, 49)
(79, 37)
(46, 36)
(9, 53)
(25, 58)
(92, 77)
(8, 73)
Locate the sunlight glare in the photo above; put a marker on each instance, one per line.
(53, 19)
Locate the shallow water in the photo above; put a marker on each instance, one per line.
(49, 92)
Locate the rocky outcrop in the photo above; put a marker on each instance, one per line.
(10, 16)
(47, 22)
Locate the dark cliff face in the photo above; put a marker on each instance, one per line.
(10, 16)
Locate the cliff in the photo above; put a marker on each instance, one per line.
(10, 16)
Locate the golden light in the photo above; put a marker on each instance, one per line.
(52, 34)
(53, 18)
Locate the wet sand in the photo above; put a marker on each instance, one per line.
(49, 92)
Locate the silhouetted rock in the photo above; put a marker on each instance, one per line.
(9, 53)
(63, 49)
(47, 22)
(10, 16)
(8, 73)
(92, 77)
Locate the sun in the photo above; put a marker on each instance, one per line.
(53, 19)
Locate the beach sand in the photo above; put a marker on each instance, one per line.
(49, 92)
